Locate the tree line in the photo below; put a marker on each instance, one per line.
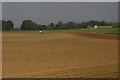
(30, 25)
(7, 25)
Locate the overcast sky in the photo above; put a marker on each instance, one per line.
(60, 0)
(47, 12)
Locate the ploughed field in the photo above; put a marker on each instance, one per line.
(59, 55)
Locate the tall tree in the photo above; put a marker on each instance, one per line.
(7, 25)
(59, 25)
(29, 25)
(44, 27)
(39, 27)
(71, 25)
(10, 23)
(51, 26)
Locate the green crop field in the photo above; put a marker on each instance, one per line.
(98, 30)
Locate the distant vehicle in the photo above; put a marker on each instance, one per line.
(40, 32)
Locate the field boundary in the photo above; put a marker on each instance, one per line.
(97, 35)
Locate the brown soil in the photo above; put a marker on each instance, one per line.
(33, 52)
(100, 36)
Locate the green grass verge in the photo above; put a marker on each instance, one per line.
(98, 30)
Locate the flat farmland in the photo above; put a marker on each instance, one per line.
(61, 55)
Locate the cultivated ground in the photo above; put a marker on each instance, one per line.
(61, 55)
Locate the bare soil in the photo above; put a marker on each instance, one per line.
(59, 55)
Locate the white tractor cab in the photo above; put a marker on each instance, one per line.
(40, 32)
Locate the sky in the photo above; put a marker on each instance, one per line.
(59, 0)
(47, 12)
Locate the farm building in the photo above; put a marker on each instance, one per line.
(94, 27)
(105, 26)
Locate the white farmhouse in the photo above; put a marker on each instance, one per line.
(95, 26)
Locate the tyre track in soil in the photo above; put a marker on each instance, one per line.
(24, 75)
